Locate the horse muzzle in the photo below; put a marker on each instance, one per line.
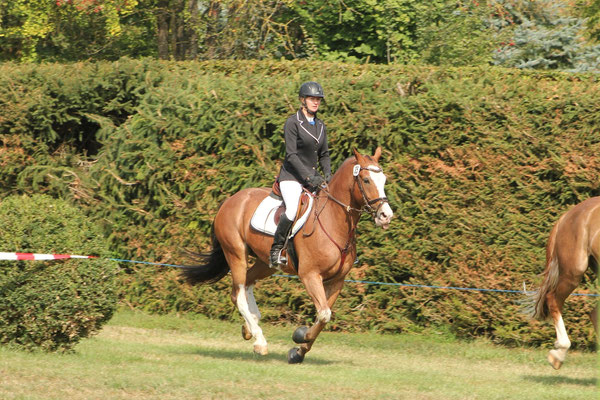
(384, 215)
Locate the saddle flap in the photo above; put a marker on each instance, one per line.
(302, 205)
(267, 214)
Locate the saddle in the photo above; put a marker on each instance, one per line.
(267, 214)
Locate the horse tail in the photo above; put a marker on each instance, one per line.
(539, 309)
(213, 265)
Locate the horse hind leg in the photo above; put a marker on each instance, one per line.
(251, 329)
(242, 297)
(254, 312)
(555, 301)
(260, 270)
(593, 265)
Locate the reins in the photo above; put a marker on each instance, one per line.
(352, 227)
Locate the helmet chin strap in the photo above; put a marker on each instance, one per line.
(306, 108)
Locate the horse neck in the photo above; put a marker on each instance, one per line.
(341, 188)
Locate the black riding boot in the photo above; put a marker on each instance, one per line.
(283, 227)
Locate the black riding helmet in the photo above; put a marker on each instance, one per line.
(312, 89)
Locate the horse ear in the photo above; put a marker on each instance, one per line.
(377, 153)
(357, 154)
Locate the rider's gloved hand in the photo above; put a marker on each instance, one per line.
(314, 182)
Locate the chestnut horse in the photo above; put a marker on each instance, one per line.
(573, 246)
(325, 247)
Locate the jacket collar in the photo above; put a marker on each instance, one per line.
(304, 124)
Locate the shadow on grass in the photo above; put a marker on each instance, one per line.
(561, 380)
(240, 355)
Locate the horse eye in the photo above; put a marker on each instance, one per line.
(366, 180)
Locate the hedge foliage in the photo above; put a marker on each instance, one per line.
(51, 305)
(480, 164)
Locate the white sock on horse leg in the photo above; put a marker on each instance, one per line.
(255, 330)
(252, 303)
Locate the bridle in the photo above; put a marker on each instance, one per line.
(368, 207)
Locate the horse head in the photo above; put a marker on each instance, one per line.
(368, 188)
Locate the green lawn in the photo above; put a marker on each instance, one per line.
(137, 356)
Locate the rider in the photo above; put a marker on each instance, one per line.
(305, 147)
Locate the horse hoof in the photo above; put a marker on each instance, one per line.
(246, 334)
(554, 360)
(299, 335)
(294, 356)
(261, 350)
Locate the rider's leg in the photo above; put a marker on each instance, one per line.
(290, 191)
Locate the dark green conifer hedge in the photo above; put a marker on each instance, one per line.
(480, 164)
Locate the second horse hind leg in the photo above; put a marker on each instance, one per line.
(555, 301)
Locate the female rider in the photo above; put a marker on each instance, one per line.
(305, 147)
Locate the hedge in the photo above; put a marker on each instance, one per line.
(480, 163)
(52, 305)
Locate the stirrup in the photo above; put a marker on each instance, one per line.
(281, 260)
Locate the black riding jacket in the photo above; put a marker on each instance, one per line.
(305, 148)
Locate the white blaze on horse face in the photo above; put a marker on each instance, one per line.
(385, 213)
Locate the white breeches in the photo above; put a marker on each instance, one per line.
(291, 192)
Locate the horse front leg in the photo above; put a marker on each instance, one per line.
(324, 298)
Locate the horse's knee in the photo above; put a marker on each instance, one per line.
(324, 316)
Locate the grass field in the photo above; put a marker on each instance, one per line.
(137, 356)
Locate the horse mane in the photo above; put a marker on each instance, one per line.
(352, 159)
(347, 161)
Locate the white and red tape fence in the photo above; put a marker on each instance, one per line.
(40, 257)
(46, 257)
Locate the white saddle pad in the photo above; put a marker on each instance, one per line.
(263, 219)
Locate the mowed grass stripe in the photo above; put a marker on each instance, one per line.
(138, 356)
